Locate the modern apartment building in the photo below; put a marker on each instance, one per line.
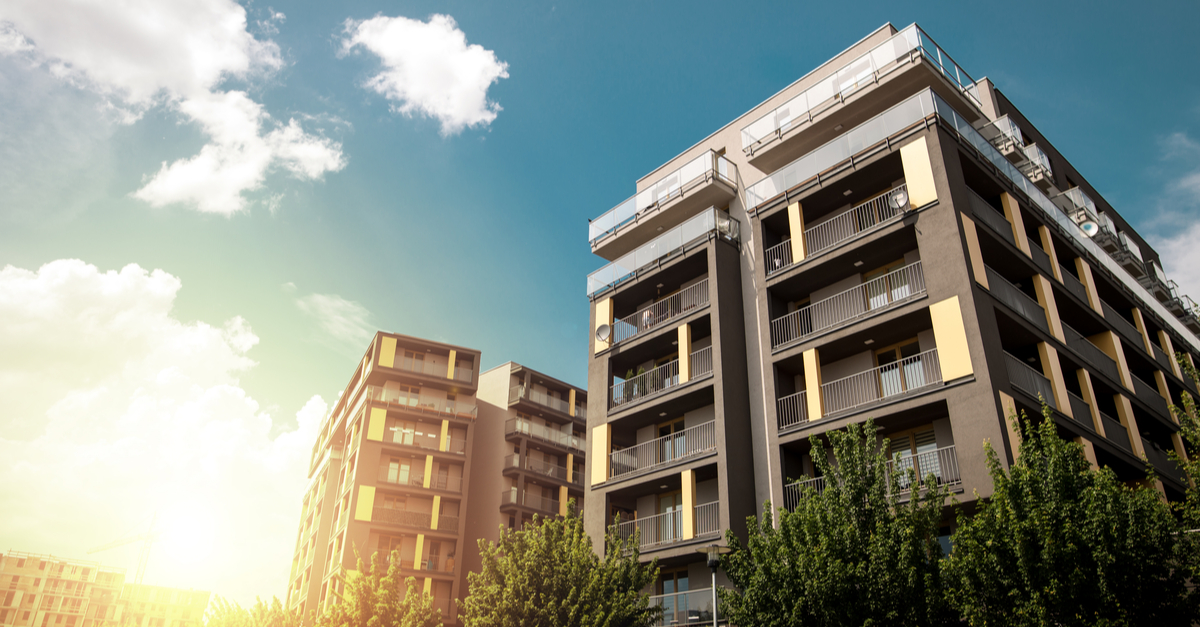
(390, 470)
(47, 591)
(886, 237)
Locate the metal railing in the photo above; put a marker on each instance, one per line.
(1073, 284)
(881, 383)
(708, 519)
(792, 410)
(984, 212)
(660, 313)
(865, 70)
(658, 380)
(1040, 257)
(1080, 410)
(874, 296)
(540, 503)
(1163, 462)
(942, 463)
(1149, 395)
(706, 167)
(1029, 380)
(562, 405)
(850, 224)
(707, 223)
(1116, 432)
(1016, 300)
(422, 403)
(1161, 357)
(664, 451)
(778, 257)
(662, 529)
(545, 434)
(1091, 353)
(691, 607)
(1123, 326)
(402, 517)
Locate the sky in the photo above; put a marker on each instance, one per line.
(207, 208)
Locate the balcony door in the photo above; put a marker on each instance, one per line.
(670, 584)
(899, 372)
(670, 524)
(882, 290)
(671, 444)
(399, 470)
(915, 449)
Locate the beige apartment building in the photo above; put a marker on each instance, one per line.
(886, 237)
(47, 591)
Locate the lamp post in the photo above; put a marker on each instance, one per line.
(714, 552)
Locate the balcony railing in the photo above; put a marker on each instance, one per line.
(544, 468)
(545, 434)
(1040, 257)
(661, 313)
(1080, 410)
(1092, 354)
(883, 383)
(1163, 462)
(859, 73)
(876, 295)
(1073, 284)
(663, 529)
(446, 483)
(658, 380)
(1149, 395)
(1016, 300)
(1161, 357)
(518, 392)
(427, 441)
(404, 518)
(691, 607)
(1116, 432)
(942, 463)
(540, 503)
(848, 225)
(1123, 326)
(1030, 381)
(422, 403)
(664, 451)
(792, 410)
(708, 223)
(705, 168)
(984, 212)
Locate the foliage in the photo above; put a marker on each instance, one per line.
(223, 613)
(1189, 509)
(548, 575)
(1060, 543)
(852, 554)
(378, 596)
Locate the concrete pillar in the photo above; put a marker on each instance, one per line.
(1012, 211)
(973, 252)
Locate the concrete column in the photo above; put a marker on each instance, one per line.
(1008, 409)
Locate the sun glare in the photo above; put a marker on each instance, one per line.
(187, 534)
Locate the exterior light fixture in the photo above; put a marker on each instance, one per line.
(713, 553)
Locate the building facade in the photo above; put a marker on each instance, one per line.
(47, 591)
(887, 237)
(390, 470)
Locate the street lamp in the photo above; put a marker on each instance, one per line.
(714, 552)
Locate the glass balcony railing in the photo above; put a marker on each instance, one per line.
(690, 607)
(518, 392)
(546, 434)
(1038, 167)
(704, 168)
(709, 222)
(861, 72)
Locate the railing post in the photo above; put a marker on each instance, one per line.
(685, 353)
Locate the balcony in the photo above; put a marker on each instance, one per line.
(1080, 410)
(1149, 395)
(691, 607)
(881, 384)
(1016, 300)
(422, 403)
(1163, 462)
(402, 518)
(664, 451)
(792, 410)
(1116, 432)
(696, 231)
(520, 426)
(431, 365)
(783, 126)
(540, 503)
(661, 313)
(1156, 282)
(664, 378)
(849, 225)
(942, 463)
(426, 440)
(708, 179)
(1037, 169)
(661, 530)
(1123, 326)
(1090, 353)
(519, 392)
(872, 297)
(543, 468)
(1029, 380)
(1073, 285)
(1006, 136)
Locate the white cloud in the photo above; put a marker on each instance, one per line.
(115, 409)
(345, 322)
(1179, 214)
(429, 69)
(142, 54)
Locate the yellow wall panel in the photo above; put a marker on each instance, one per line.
(387, 352)
(450, 364)
(1140, 323)
(1052, 369)
(570, 467)
(1045, 298)
(918, 173)
(444, 442)
(1089, 284)
(1108, 342)
(812, 384)
(1009, 408)
(796, 230)
(437, 511)
(1168, 347)
(688, 483)
(1048, 246)
(571, 403)
(377, 424)
(685, 353)
(1012, 211)
(950, 335)
(1089, 395)
(604, 315)
(563, 500)
(428, 470)
(1125, 415)
(428, 586)
(973, 252)
(420, 550)
(601, 447)
(366, 503)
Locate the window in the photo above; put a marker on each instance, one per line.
(387, 544)
(401, 394)
(900, 369)
(671, 448)
(675, 610)
(413, 361)
(398, 470)
(670, 528)
(917, 450)
(389, 501)
(885, 291)
(21, 563)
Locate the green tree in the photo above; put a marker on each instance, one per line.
(1189, 509)
(224, 613)
(548, 575)
(853, 553)
(378, 596)
(1060, 543)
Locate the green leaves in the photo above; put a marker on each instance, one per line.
(854, 553)
(548, 575)
(377, 596)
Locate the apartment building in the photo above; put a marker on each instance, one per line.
(47, 591)
(390, 470)
(886, 237)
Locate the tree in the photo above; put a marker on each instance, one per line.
(378, 597)
(1060, 543)
(853, 553)
(1189, 509)
(548, 575)
(226, 614)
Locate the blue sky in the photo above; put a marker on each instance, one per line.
(475, 237)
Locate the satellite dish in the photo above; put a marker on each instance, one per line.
(1089, 228)
(899, 200)
(603, 332)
